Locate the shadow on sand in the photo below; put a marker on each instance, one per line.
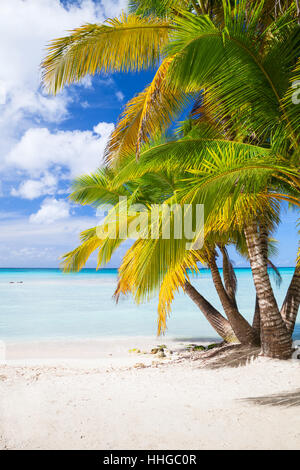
(284, 399)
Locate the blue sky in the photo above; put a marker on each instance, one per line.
(46, 141)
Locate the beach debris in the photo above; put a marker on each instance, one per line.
(139, 365)
(135, 350)
(196, 347)
(161, 354)
(158, 349)
(213, 345)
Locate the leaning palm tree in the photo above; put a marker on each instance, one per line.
(239, 67)
(153, 188)
(166, 265)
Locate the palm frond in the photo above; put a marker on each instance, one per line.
(160, 8)
(96, 189)
(275, 272)
(291, 100)
(76, 259)
(229, 63)
(146, 116)
(185, 154)
(127, 43)
(173, 281)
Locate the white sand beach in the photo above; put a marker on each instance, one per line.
(96, 395)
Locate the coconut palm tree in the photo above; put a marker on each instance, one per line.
(155, 187)
(165, 265)
(239, 67)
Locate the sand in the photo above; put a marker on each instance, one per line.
(90, 395)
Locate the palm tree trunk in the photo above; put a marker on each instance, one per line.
(217, 321)
(264, 237)
(275, 339)
(229, 282)
(240, 326)
(256, 319)
(290, 306)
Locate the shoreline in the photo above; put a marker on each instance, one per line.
(104, 351)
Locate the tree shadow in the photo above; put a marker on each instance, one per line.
(284, 399)
(232, 355)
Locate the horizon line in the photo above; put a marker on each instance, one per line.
(107, 269)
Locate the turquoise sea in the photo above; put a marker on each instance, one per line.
(39, 304)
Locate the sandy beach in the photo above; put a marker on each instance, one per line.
(97, 395)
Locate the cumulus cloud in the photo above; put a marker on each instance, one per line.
(26, 27)
(51, 210)
(32, 189)
(36, 158)
(78, 151)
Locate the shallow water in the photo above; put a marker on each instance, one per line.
(51, 305)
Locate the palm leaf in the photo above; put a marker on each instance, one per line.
(146, 116)
(161, 8)
(120, 44)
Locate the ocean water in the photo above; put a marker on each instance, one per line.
(44, 304)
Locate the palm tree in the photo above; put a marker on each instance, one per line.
(165, 265)
(156, 187)
(239, 67)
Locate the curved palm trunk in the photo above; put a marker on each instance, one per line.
(240, 326)
(228, 275)
(275, 339)
(217, 321)
(290, 306)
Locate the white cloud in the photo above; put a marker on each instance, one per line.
(32, 245)
(51, 210)
(120, 96)
(78, 151)
(104, 129)
(8, 215)
(28, 148)
(86, 82)
(32, 189)
(26, 27)
(2, 94)
(114, 7)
